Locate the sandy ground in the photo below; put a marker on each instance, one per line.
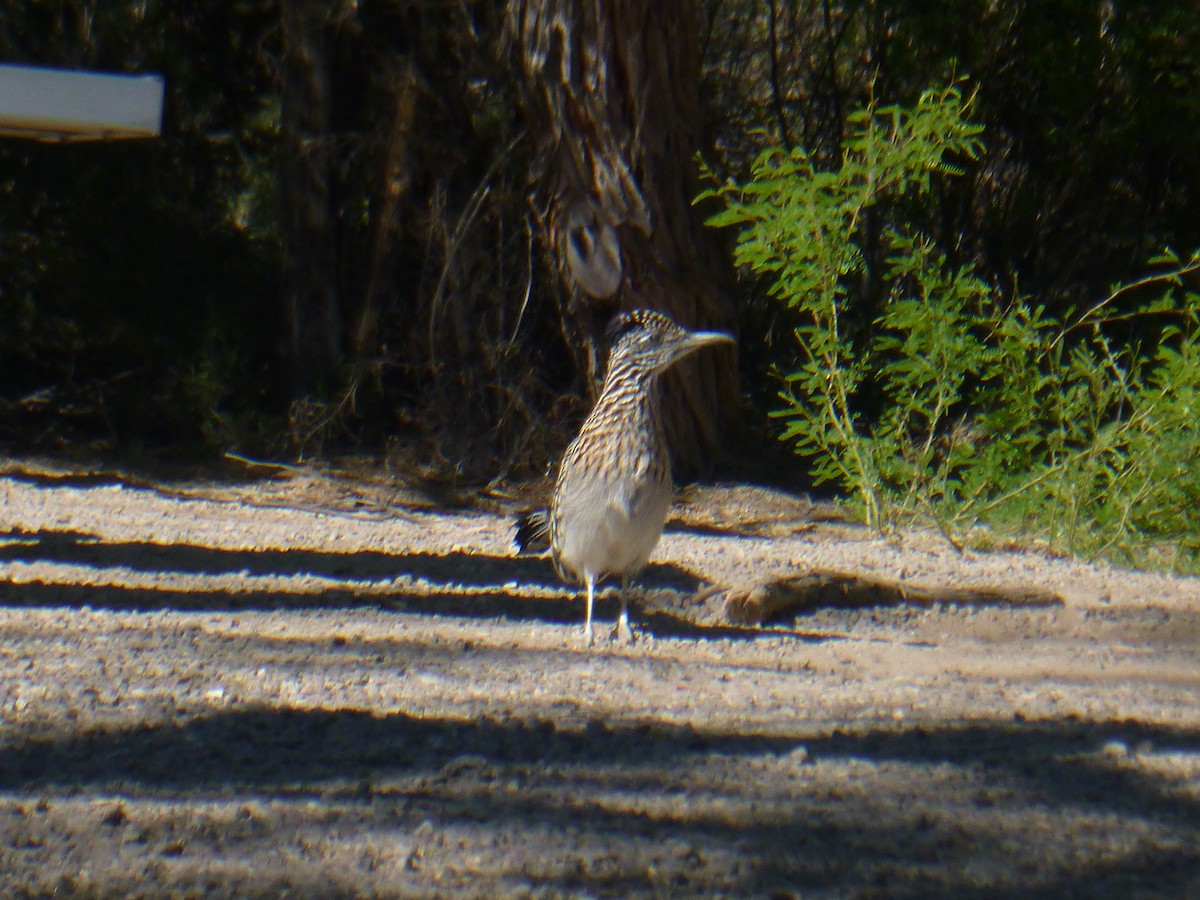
(303, 686)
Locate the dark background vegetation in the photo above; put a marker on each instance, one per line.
(145, 286)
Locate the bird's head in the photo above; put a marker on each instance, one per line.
(649, 341)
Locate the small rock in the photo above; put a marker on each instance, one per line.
(1115, 749)
(115, 816)
(798, 756)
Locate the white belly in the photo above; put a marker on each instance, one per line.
(611, 527)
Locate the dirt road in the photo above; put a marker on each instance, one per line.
(284, 687)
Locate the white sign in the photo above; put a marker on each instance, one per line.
(60, 105)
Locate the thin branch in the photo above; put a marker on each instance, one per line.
(776, 93)
(481, 193)
(1174, 275)
(528, 281)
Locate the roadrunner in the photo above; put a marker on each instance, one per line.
(614, 484)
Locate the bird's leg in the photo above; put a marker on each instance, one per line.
(591, 597)
(624, 632)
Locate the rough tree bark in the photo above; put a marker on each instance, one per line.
(611, 96)
(312, 341)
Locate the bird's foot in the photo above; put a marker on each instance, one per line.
(623, 634)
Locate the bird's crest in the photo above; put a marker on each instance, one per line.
(623, 323)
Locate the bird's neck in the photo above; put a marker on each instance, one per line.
(632, 394)
(628, 384)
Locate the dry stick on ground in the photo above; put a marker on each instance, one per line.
(758, 603)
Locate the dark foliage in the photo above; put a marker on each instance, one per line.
(138, 299)
(1091, 126)
(142, 284)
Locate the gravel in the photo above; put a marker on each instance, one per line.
(311, 686)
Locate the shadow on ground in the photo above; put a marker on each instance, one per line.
(474, 585)
(748, 796)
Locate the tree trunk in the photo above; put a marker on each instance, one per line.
(611, 96)
(390, 191)
(312, 342)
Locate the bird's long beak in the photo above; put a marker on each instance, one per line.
(694, 341)
(698, 339)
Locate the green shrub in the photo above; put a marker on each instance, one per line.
(959, 406)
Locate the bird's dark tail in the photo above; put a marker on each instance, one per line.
(533, 531)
